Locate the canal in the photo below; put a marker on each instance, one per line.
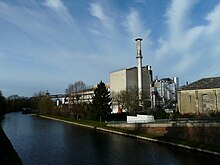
(41, 141)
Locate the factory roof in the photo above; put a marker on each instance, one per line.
(123, 69)
(205, 83)
(128, 68)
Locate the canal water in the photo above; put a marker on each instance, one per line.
(41, 141)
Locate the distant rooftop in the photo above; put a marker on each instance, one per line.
(205, 83)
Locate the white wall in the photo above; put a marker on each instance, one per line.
(140, 119)
(118, 80)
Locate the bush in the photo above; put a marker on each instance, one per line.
(160, 114)
(176, 115)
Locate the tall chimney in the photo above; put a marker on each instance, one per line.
(139, 67)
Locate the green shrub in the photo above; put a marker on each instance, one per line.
(160, 114)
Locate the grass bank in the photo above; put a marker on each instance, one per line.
(8, 155)
(100, 126)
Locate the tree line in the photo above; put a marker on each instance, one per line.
(99, 109)
(12, 103)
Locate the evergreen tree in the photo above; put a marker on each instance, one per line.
(101, 104)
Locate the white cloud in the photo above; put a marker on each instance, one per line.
(177, 15)
(192, 49)
(61, 10)
(136, 28)
(133, 24)
(213, 19)
(55, 4)
(29, 21)
(97, 11)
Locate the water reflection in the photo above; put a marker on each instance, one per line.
(42, 141)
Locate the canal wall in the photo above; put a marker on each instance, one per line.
(131, 127)
(202, 132)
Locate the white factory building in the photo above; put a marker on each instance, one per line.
(136, 77)
(125, 79)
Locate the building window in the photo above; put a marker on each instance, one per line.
(206, 103)
(197, 95)
(190, 99)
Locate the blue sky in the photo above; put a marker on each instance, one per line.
(47, 44)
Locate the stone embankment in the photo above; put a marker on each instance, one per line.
(198, 131)
(136, 136)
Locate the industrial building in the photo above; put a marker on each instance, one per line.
(139, 77)
(159, 92)
(128, 78)
(164, 93)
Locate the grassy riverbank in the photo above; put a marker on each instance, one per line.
(208, 148)
(8, 155)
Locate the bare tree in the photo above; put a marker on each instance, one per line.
(78, 86)
(43, 102)
(129, 100)
(75, 91)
